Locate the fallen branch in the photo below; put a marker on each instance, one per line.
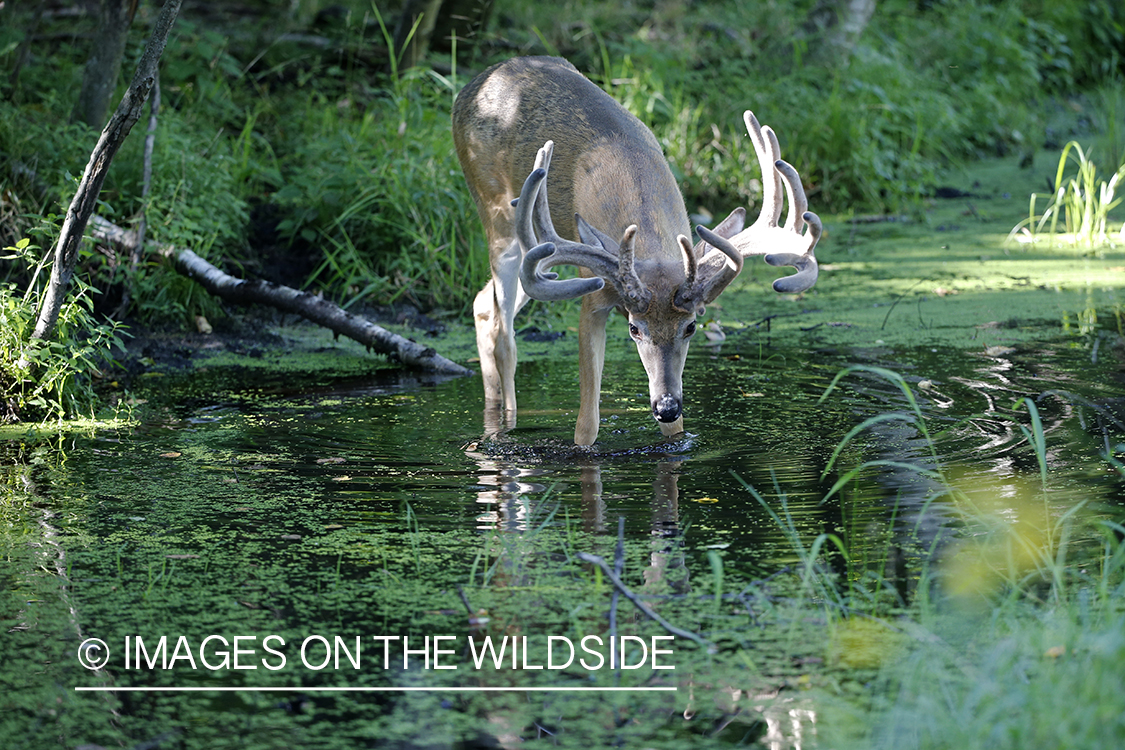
(307, 305)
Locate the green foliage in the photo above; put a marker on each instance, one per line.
(1080, 44)
(197, 198)
(871, 132)
(1014, 637)
(356, 165)
(383, 198)
(48, 380)
(1082, 201)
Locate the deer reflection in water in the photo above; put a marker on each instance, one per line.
(515, 487)
(510, 481)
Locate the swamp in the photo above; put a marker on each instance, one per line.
(896, 517)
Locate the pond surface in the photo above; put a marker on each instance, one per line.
(258, 504)
(356, 453)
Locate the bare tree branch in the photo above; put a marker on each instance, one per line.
(85, 200)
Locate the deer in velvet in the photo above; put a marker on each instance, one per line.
(616, 213)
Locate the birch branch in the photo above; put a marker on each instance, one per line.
(307, 305)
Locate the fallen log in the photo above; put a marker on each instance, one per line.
(309, 306)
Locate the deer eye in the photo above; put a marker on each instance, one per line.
(634, 331)
(689, 330)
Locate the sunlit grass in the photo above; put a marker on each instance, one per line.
(1082, 203)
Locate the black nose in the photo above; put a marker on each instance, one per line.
(667, 408)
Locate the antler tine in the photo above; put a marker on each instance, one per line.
(703, 283)
(533, 215)
(525, 205)
(711, 286)
(541, 211)
(805, 263)
(629, 285)
(789, 244)
(543, 156)
(691, 264)
(795, 192)
(768, 151)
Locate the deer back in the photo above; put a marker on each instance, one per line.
(607, 166)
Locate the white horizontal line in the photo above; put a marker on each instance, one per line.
(455, 689)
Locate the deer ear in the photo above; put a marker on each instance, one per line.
(733, 224)
(726, 228)
(590, 235)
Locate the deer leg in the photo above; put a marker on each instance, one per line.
(591, 360)
(494, 310)
(485, 316)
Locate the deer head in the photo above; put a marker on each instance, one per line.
(661, 310)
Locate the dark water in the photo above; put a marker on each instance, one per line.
(353, 454)
(246, 506)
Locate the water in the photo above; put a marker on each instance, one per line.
(276, 506)
(359, 451)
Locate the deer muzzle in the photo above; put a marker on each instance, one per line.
(667, 408)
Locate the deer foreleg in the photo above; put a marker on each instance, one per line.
(494, 312)
(591, 360)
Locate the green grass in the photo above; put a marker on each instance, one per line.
(1082, 202)
(1016, 631)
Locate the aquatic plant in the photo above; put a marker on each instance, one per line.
(1013, 637)
(1082, 202)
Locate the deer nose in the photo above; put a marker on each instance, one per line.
(667, 408)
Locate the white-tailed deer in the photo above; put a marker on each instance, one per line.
(609, 179)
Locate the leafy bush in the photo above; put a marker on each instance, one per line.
(45, 380)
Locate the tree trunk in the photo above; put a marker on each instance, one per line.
(23, 52)
(103, 67)
(85, 199)
(463, 20)
(412, 33)
(836, 26)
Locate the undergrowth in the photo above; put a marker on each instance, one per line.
(49, 380)
(1014, 632)
(310, 159)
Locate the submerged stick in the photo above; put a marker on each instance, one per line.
(636, 600)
